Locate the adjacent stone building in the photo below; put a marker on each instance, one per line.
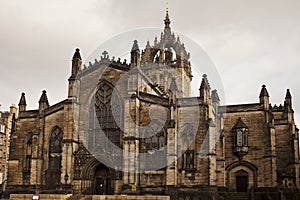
(7, 119)
(155, 138)
(2, 147)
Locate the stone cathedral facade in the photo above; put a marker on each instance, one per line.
(200, 150)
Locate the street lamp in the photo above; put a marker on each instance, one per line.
(66, 178)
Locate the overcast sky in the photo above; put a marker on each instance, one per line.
(251, 42)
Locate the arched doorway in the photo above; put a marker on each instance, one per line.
(96, 178)
(102, 181)
(241, 176)
(242, 181)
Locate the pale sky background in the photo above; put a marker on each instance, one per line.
(251, 42)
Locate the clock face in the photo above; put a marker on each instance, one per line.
(239, 138)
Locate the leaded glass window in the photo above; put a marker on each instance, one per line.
(105, 118)
(186, 147)
(155, 137)
(55, 145)
(54, 163)
(239, 138)
(155, 142)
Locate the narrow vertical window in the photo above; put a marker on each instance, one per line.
(54, 162)
(27, 161)
(245, 138)
(239, 138)
(186, 142)
(155, 141)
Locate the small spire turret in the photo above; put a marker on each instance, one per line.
(204, 83)
(135, 46)
(77, 54)
(76, 63)
(43, 102)
(76, 67)
(22, 103)
(148, 44)
(288, 110)
(288, 99)
(263, 92)
(44, 98)
(264, 97)
(214, 96)
(135, 54)
(204, 89)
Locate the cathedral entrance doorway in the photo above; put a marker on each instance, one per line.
(241, 176)
(241, 183)
(102, 182)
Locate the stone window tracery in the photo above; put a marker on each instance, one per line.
(28, 156)
(186, 148)
(155, 142)
(54, 163)
(105, 118)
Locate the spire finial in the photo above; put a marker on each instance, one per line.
(263, 92)
(288, 94)
(77, 54)
(167, 6)
(135, 46)
(167, 18)
(22, 99)
(44, 98)
(288, 98)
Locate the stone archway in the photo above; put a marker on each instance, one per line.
(241, 176)
(102, 180)
(97, 178)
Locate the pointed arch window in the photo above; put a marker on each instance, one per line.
(105, 117)
(155, 137)
(155, 142)
(55, 145)
(28, 156)
(170, 55)
(28, 152)
(54, 163)
(239, 138)
(186, 148)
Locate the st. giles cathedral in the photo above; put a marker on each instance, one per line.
(145, 134)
